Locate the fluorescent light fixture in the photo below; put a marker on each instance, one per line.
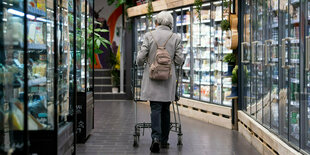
(219, 2)
(15, 12)
(31, 17)
(11, 4)
(208, 4)
(21, 14)
(4, 3)
(41, 19)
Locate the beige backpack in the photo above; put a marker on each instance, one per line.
(160, 69)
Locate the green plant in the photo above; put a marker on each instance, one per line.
(225, 25)
(120, 2)
(114, 71)
(198, 5)
(149, 10)
(98, 40)
(225, 3)
(230, 58)
(234, 78)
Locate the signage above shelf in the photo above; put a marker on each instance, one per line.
(158, 6)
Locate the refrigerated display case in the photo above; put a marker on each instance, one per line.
(274, 60)
(37, 78)
(12, 74)
(203, 72)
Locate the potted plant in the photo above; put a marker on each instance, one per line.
(225, 25)
(114, 62)
(198, 5)
(231, 60)
(98, 41)
(234, 80)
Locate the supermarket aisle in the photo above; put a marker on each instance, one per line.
(114, 124)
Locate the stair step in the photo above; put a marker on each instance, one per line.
(101, 81)
(103, 88)
(110, 96)
(102, 69)
(102, 73)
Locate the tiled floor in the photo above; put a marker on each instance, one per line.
(114, 127)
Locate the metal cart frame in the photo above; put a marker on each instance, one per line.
(175, 124)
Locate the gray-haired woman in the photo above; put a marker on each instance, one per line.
(160, 93)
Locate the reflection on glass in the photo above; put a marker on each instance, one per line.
(11, 75)
(246, 67)
(80, 47)
(64, 61)
(89, 46)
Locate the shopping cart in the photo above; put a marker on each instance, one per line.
(136, 88)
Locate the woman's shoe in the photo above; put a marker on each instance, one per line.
(155, 146)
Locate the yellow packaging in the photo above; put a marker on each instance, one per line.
(41, 4)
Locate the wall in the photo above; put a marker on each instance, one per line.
(111, 19)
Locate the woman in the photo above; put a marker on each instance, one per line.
(160, 93)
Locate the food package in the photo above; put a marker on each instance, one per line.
(41, 5)
(31, 32)
(205, 93)
(32, 3)
(39, 33)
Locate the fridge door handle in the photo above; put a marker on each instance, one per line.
(242, 53)
(307, 67)
(283, 52)
(266, 51)
(254, 44)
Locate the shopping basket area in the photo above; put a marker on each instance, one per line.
(114, 128)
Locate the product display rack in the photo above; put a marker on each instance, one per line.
(37, 76)
(275, 60)
(203, 70)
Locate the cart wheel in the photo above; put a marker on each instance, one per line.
(180, 140)
(135, 141)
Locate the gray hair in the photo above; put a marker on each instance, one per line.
(164, 18)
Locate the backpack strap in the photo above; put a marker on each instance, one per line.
(165, 42)
(168, 39)
(161, 47)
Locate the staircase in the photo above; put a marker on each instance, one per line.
(103, 86)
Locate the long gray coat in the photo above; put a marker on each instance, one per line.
(152, 90)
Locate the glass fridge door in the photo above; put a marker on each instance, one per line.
(289, 93)
(183, 24)
(64, 62)
(40, 65)
(11, 75)
(201, 54)
(141, 30)
(306, 142)
(271, 66)
(246, 58)
(224, 68)
(80, 49)
(258, 56)
(215, 43)
(90, 51)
